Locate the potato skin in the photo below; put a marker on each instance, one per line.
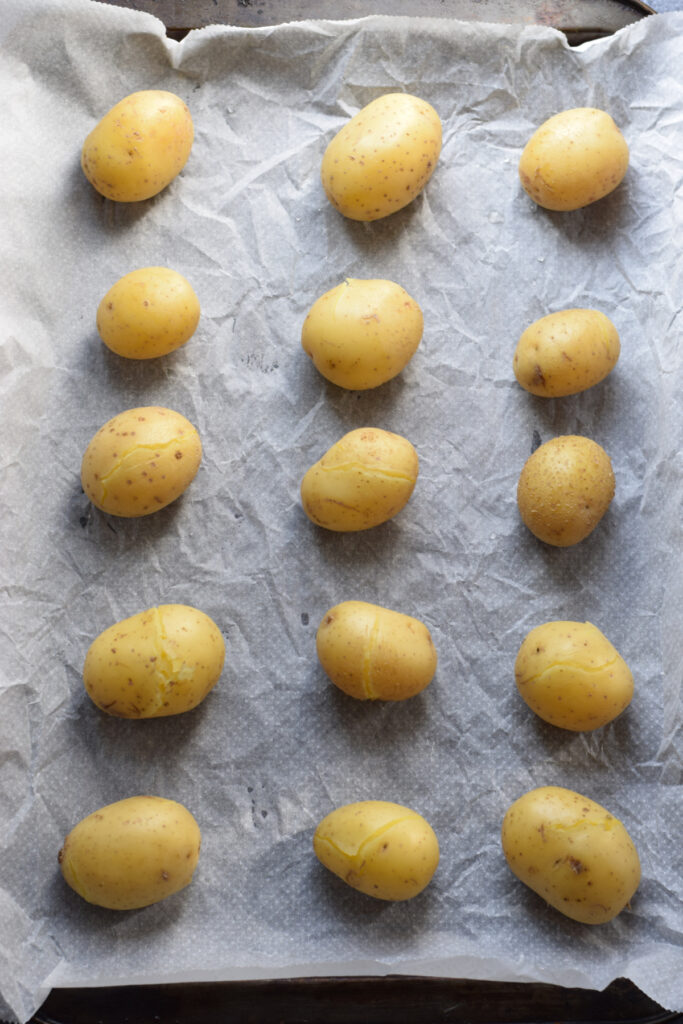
(148, 313)
(383, 157)
(362, 333)
(572, 852)
(574, 158)
(566, 352)
(382, 849)
(361, 481)
(374, 653)
(572, 677)
(139, 146)
(131, 853)
(565, 489)
(162, 661)
(140, 461)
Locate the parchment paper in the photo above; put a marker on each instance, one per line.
(275, 747)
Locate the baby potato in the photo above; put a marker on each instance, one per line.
(380, 848)
(373, 653)
(567, 352)
(571, 676)
(383, 157)
(565, 489)
(160, 662)
(132, 853)
(572, 852)
(148, 313)
(139, 146)
(573, 159)
(140, 461)
(362, 333)
(361, 481)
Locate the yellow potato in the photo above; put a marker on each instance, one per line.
(139, 146)
(571, 675)
(572, 852)
(383, 157)
(380, 848)
(362, 333)
(140, 461)
(566, 352)
(373, 653)
(148, 313)
(131, 853)
(361, 481)
(159, 662)
(573, 159)
(565, 489)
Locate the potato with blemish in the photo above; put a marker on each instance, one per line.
(162, 661)
(566, 352)
(572, 852)
(380, 848)
(383, 157)
(131, 853)
(140, 461)
(148, 313)
(572, 677)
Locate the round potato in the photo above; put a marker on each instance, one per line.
(131, 853)
(572, 852)
(380, 848)
(140, 461)
(565, 353)
(373, 653)
(573, 159)
(162, 661)
(361, 481)
(383, 157)
(571, 676)
(565, 489)
(139, 146)
(362, 333)
(148, 313)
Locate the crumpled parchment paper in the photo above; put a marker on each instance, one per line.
(274, 748)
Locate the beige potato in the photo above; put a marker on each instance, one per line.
(564, 489)
(380, 848)
(162, 661)
(572, 852)
(374, 653)
(362, 333)
(361, 481)
(140, 461)
(566, 352)
(148, 313)
(571, 676)
(573, 159)
(131, 853)
(383, 157)
(139, 146)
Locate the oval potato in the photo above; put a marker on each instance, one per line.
(564, 489)
(572, 677)
(566, 352)
(572, 852)
(148, 313)
(383, 157)
(380, 848)
(361, 481)
(162, 661)
(131, 853)
(139, 146)
(374, 653)
(140, 461)
(362, 333)
(574, 158)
